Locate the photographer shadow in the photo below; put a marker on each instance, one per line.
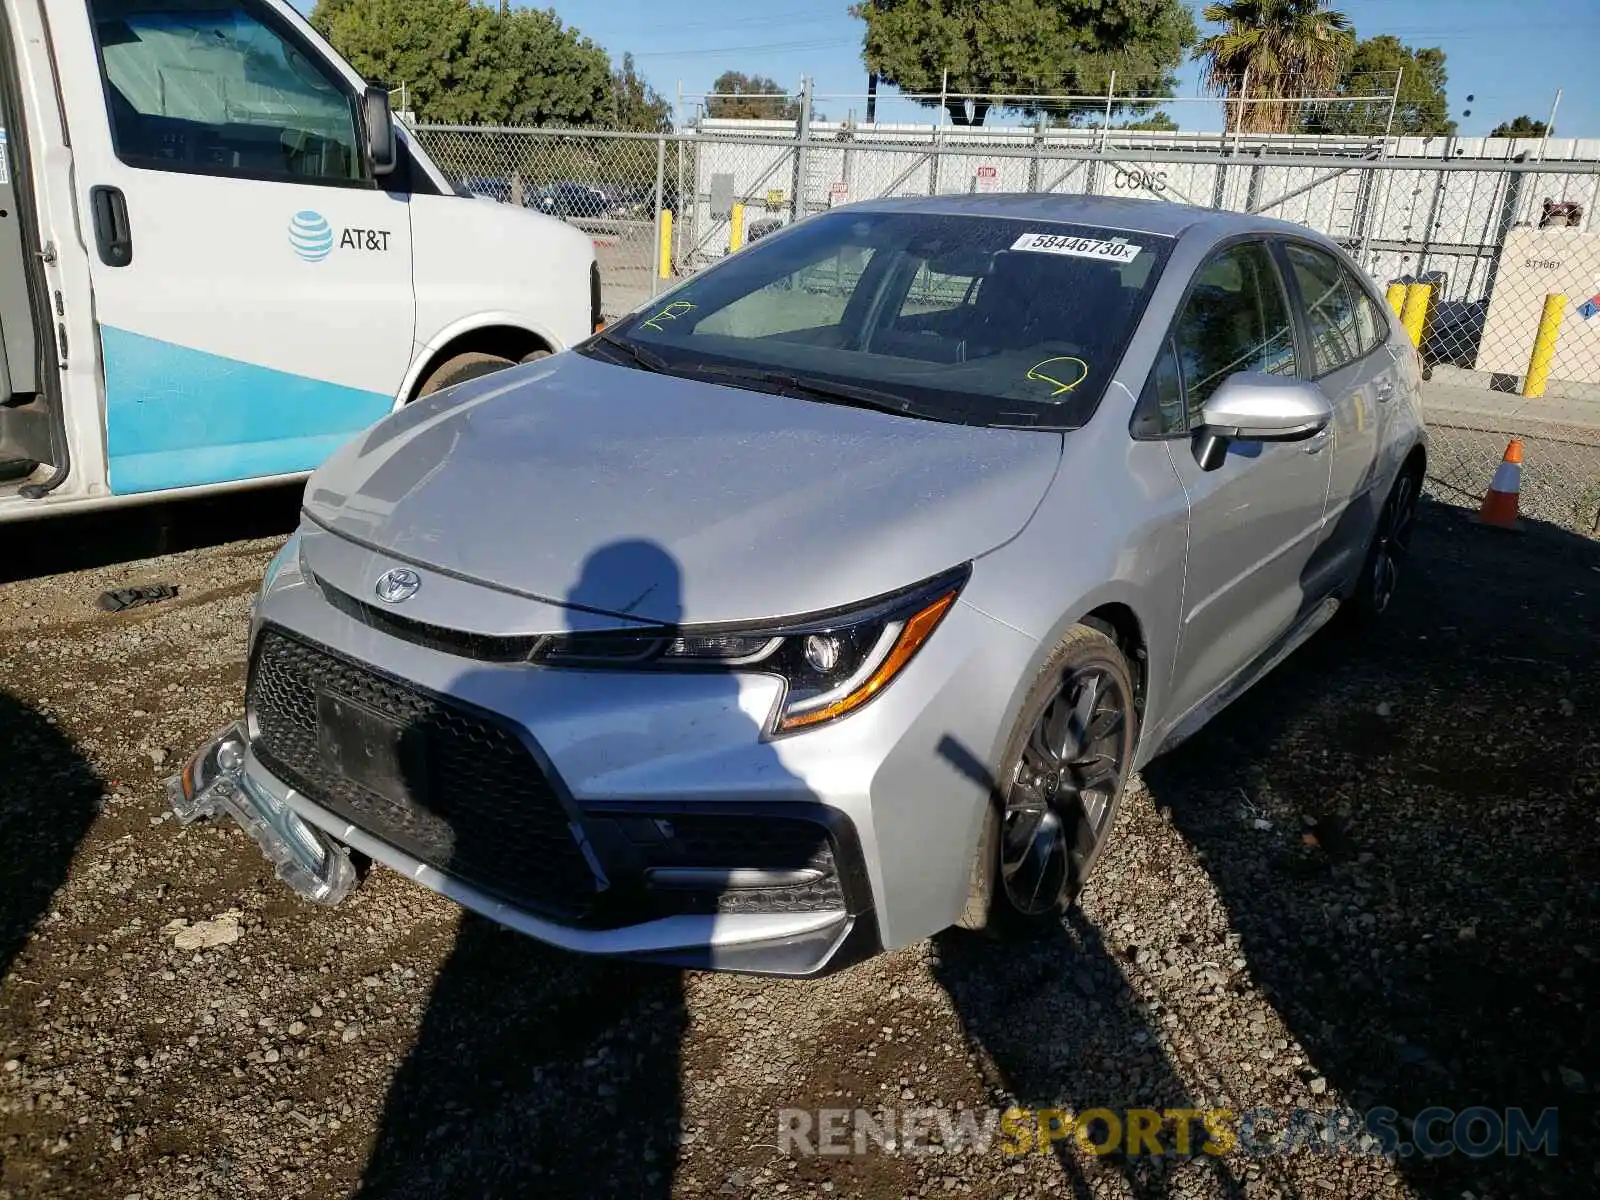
(538, 1072)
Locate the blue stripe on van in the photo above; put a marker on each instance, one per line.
(179, 417)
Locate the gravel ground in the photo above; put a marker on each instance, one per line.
(1371, 882)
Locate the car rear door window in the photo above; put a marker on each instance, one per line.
(1235, 319)
(1331, 301)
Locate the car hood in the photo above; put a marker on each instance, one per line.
(658, 498)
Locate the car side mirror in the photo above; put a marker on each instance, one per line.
(1253, 406)
(378, 127)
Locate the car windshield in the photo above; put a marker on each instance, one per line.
(977, 319)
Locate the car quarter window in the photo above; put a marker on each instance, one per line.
(1236, 318)
(1332, 303)
(217, 89)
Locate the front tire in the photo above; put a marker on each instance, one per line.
(1061, 781)
(460, 368)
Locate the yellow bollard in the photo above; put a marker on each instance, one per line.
(1544, 345)
(665, 250)
(1415, 311)
(736, 232)
(1396, 295)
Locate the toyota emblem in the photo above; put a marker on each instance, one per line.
(398, 584)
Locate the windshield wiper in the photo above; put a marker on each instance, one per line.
(643, 358)
(850, 394)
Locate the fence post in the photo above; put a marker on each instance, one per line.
(1105, 126)
(663, 219)
(797, 204)
(1244, 96)
(1035, 164)
(1544, 346)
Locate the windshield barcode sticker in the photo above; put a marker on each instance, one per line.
(1116, 250)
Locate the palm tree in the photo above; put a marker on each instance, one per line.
(1289, 48)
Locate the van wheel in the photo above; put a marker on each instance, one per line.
(471, 365)
(1060, 783)
(535, 355)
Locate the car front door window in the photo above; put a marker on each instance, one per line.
(1236, 319)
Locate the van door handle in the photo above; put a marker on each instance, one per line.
(1319, 441)
(112, 237)
(1385, 389)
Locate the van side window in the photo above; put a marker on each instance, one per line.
(216, 89)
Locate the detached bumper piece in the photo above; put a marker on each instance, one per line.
(214, 784)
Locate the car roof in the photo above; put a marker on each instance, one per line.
(1159, 217)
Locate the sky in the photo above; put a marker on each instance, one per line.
(1510, 55)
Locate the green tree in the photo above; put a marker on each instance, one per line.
(751, 97)
(635, 104)
(1421, 108)
(1287, 49)
(464, 63)
(1024, 47)
(1158, 122)
(1523, 127)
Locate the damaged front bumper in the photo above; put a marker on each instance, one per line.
(215, 783)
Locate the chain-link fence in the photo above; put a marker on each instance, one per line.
(1490, 249)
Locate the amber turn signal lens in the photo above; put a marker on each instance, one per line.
(916, 631)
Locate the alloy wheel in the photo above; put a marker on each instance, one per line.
(1062, 790)
(1394, 541)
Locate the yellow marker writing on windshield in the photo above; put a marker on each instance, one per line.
(1036, 373)
(670, 313)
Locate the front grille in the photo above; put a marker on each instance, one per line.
(484, 647)
(470, 799)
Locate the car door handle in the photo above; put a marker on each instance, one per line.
(112, 236)
(1385, 389)
(1318, 442)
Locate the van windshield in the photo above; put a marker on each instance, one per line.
(978, 319)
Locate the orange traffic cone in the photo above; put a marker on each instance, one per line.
(1500, 501)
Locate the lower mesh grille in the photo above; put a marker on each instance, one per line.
(465, 795)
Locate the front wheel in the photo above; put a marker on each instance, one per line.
(469, 365)
(1060, 784)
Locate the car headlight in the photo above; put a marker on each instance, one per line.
(289, 552)
(832, 664)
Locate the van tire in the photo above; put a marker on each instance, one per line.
(535, 355)
(471, 365)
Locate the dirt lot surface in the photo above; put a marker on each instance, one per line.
(1374, 882)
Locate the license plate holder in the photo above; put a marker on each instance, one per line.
(370, 749)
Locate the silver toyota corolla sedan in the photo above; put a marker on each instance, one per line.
(830, 599)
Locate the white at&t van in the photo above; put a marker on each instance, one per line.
(220, 257)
